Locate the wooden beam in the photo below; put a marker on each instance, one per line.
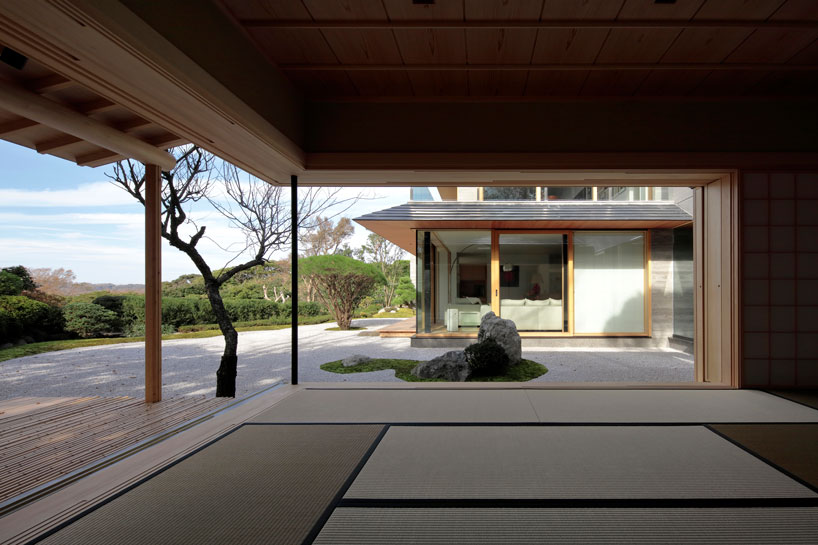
(503, 24)
(153, 284)
(63, 141)
(103, 156)
(24, 103)
(51, 82)
(664, 66)
(16, 125)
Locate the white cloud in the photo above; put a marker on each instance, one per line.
(93, 194)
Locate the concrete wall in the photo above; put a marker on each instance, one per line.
(779, 279)
(661, 292)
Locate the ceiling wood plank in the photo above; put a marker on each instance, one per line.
(260, 9)
(766, 45)
(502, 10)
(797, 10)
(587, 9)
(650, 9)
(322, 84)
(16, 125)
(738, 9)
(497, 83)
(374, 46)
(556, 83)
(430, 46)
(633, 46)
(671, 83)
(284, 46)
(614, 82)
(705, 45)
(378, 83)
(365, 10)
(403, 10)
(439, 83)
(500, 46)
(568, 45)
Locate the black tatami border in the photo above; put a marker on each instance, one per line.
(577, 503)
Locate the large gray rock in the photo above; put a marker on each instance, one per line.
(352, 361)
(504, 332)
(451, 366)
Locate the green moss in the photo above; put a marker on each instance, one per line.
(525, 371)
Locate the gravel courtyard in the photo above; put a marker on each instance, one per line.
(189, 365)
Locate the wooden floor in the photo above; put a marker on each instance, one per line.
(43, 440)
(404, 328)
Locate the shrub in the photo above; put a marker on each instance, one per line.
(9, 327)
(137, 329)
(10, 284)
(308, 308)
(30, 316)
(89, 320)
(23, 274)
(487, 358)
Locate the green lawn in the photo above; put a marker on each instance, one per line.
(525, 371)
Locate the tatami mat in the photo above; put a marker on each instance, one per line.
(402, 406)
(260, 484)
(807, 397)
(793, 447)
(683, 406)
(370, 526)
(565, 462)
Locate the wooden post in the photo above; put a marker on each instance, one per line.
(153, 284)
(294, 279)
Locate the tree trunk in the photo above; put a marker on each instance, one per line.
(226, 374)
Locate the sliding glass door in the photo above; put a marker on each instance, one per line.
(533, 280)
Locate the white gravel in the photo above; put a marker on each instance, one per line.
(189, 365)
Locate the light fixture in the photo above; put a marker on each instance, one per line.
(508, 267)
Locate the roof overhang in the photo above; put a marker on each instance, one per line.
(399, 224)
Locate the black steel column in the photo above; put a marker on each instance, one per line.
(294, 278)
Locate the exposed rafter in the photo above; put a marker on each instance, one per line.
(552, 67)
(565, 23)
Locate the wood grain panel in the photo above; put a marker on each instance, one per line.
(286, 46)
(568, 45)
(555, 83)
(735, 83)
(613, 82)
(738, 9)
(370, 46)
(705, 44)
(322, 83)
(499, 10)
(795, 10)
(403, 10)
(808, 55)
(362, 10)
(587, 9)
(382, 83)
(772, 45)
(676, 83)
(500, 46)
(787, 83)
(292, 10)
(636, 45)
(432, 46)
(496, 83)
(649, 9)
(439, 83)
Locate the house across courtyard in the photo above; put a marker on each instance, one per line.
(569, 265)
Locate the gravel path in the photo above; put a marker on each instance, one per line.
(189, 365)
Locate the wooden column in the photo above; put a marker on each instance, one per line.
(153, 284)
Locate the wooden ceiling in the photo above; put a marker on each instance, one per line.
(342, 49)
(48, 84)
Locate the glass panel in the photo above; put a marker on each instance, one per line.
(567, 194)
(661, 194)
(509, 193)
(532, 272)
(424, 194)
(609, 282)
(622, 194)
(453, 280)
(683, 297)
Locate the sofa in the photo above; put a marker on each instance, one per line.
(465, 311)
(531, 315)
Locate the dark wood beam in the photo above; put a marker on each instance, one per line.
(103, 156)
(549, 67)
(567, 23)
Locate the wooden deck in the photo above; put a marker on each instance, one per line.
(404, 328)
(47, 442)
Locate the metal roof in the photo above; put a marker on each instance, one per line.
(531, 211)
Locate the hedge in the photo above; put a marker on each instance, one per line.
(24, 316)
(89, 320)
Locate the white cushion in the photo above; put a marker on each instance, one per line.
(538, 303)
(512, 302)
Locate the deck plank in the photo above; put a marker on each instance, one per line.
(45, 439)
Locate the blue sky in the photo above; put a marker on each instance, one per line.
(56, 214)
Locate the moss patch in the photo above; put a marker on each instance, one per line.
(525, 371)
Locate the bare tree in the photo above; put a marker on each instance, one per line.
(385, 255)
(260, 210)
